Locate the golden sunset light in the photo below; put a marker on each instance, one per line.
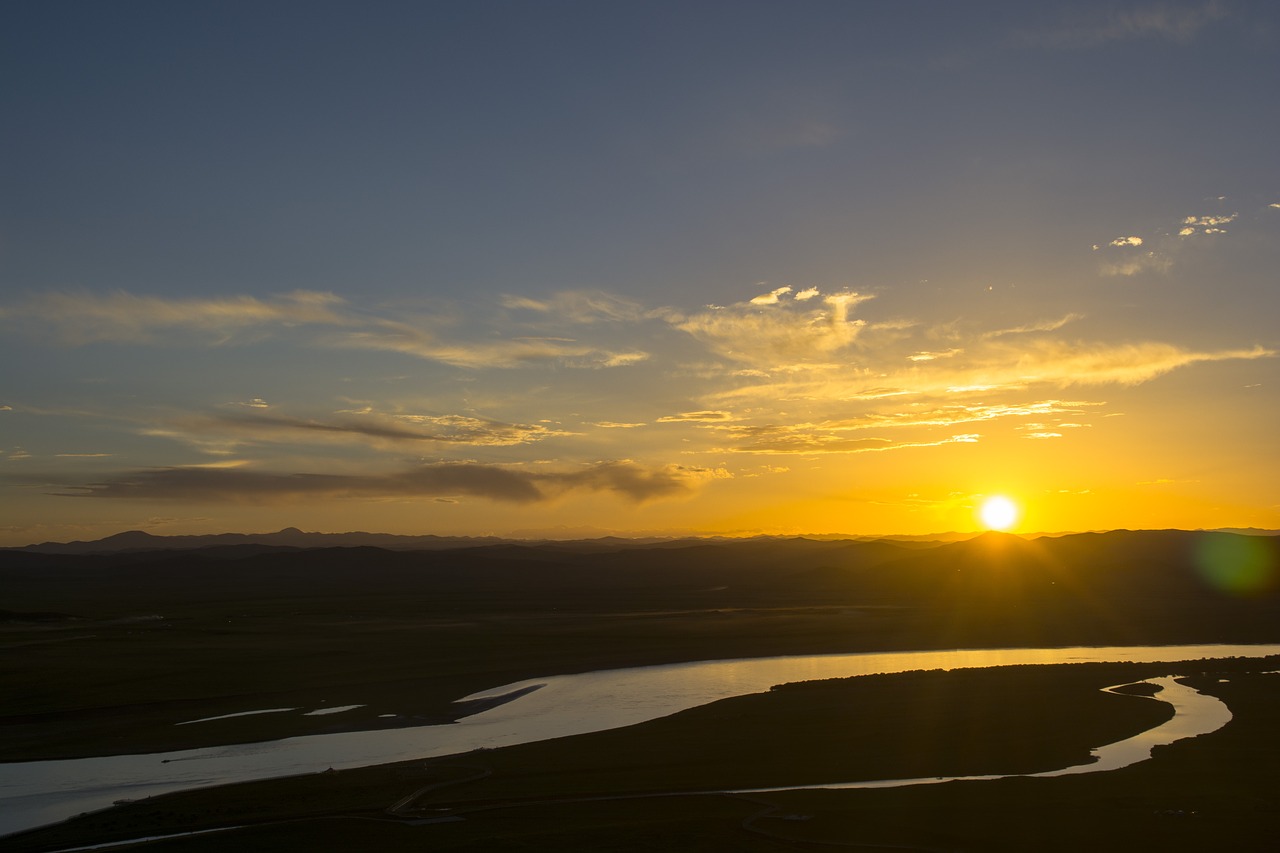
(565, 425)
(998, 513)
(788, 328)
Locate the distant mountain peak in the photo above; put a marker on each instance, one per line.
(130, 536)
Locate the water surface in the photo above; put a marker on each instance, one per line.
(38, 792)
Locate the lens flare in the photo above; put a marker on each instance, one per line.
(1240, 565)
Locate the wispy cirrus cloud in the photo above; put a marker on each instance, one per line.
(192, 484)
(409, 339)
(77, 319)
(225, 430)
(996, 365)
(1038, 326)
(580, 307)
(809, 439)
(1064, 364)
(1136, 264)
(925, 355)
(696, 417)
(120, 317)
(844, 435)
(1085, 28)
(795, 372)
(947, 416)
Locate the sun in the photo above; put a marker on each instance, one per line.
(998, 512)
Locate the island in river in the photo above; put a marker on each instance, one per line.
(115, 648)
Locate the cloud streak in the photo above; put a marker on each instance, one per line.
(998, 365)
(580, 307)
(196, 484)
(1066, 364)
(120, 317)
(419, 342)
(440, 429)
(123, 318)
(696, 417)
(804, 439)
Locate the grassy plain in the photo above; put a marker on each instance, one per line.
(628, 789)
(105, 654)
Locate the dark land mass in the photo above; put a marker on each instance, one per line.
(292, 537)
(660, 784)
(103, 653)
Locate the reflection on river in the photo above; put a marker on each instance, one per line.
(1194, 714)
(38, 792)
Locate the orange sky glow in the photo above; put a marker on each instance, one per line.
(851, 271)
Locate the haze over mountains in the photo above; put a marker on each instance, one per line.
(292, 537)
(993, 588)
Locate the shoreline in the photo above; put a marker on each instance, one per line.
(294, 757)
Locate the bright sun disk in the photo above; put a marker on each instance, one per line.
(998, 513)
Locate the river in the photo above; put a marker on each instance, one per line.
(39, 792)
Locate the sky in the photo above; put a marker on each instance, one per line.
(561, 269)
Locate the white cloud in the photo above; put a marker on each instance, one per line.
(1211, 220)
(772, 297)
(1206, 224)
(781, 336)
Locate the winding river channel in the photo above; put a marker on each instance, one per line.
(39, 792)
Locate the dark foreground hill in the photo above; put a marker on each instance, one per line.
(107, 653)
(104, 652)
(1219, 577)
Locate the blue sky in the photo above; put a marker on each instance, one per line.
(637, 267)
